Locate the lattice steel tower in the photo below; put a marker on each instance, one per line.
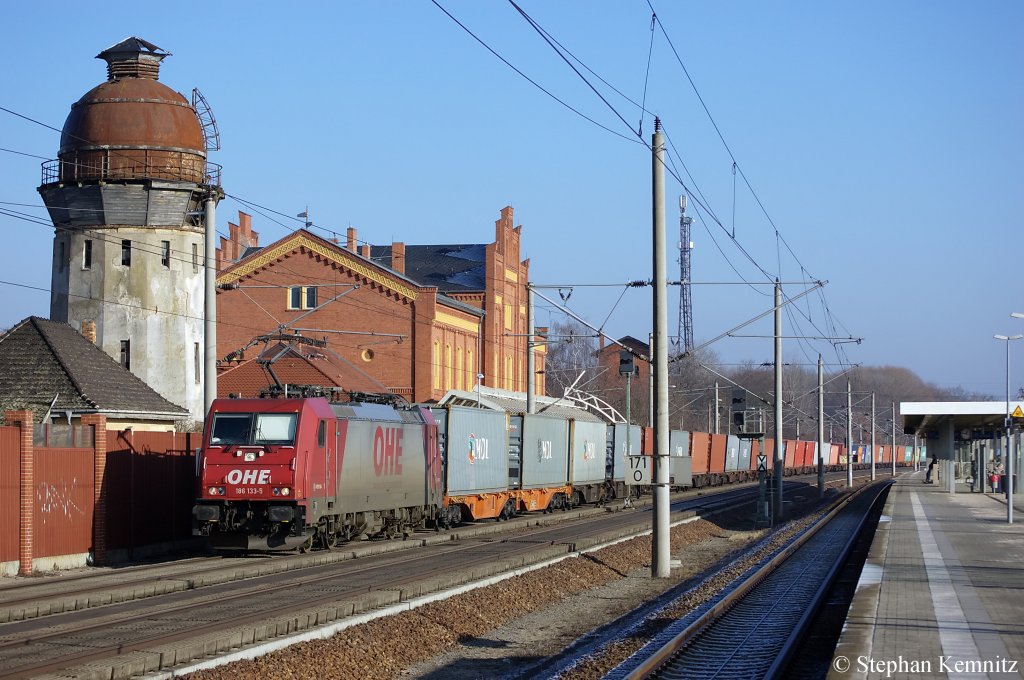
(685, 337)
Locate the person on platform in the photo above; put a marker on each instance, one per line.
(931, 466)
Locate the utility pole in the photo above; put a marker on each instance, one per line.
(849, 436)
(821, 427)
(717, 411)
(660, 549)
(210, 303)
(894, 439)
(874, 449)
(531, 369)
(779, 444)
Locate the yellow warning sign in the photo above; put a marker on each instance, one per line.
(1017, 413)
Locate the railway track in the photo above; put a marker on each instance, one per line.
(752, 628)
(303, 591)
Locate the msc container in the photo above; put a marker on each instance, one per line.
(769, 452)
(755, 450)
(745, 448)
(474, 445)
(700, 452)
(732, 452)
(587, 441)
(544, 450)
(615, 460)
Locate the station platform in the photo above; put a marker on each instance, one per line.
(942, 591)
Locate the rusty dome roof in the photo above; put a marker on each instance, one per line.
(132, 110)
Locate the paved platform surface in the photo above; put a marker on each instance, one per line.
(942, 592)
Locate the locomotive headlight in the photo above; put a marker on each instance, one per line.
(277, 492)
(220, 490)
(212, 490)
(285, 491)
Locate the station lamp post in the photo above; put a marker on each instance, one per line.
(1009, 428)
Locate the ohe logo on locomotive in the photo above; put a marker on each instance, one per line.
(248, 477)
(387, 451)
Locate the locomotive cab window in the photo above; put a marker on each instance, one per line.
(321, 434)
(231, 429)
(253, 429)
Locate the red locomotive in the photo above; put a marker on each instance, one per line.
(285, 473)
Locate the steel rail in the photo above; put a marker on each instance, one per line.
(659, 657)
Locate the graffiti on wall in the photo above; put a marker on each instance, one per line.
(57, 501)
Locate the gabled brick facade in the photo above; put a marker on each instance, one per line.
(398, 317)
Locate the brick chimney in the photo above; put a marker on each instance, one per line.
(398, 256)
(351, 240)
(89, 331)
(364, 250)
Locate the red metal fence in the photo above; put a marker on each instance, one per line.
(62, 522)
(150, 487)
(147, 487)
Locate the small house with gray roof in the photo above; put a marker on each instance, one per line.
(50, 368)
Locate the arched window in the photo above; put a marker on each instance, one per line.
(435, 366)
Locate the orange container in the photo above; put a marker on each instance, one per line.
(700, 452)
(719, 444)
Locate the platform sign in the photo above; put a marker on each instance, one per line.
(638, 470)
(762, 463)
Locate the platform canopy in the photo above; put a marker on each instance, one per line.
(970, 419)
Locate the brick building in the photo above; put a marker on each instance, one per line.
(413, 320)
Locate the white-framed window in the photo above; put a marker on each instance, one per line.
(302, 297)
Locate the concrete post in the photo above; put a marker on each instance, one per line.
(780, 447)
(660, 556)
(210, 305)
(531, 369)
(821, 427)
(874, 447)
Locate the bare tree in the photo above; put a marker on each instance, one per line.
(571, 352)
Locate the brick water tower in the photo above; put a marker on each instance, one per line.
(129, 196)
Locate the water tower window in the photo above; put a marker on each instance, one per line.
(165, 253)
(87, 254)
(126, 253)
(126, 354)
(195, 361)
(195, 258)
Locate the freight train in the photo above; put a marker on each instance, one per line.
(308, 473)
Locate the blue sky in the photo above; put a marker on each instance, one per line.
(883, 140)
